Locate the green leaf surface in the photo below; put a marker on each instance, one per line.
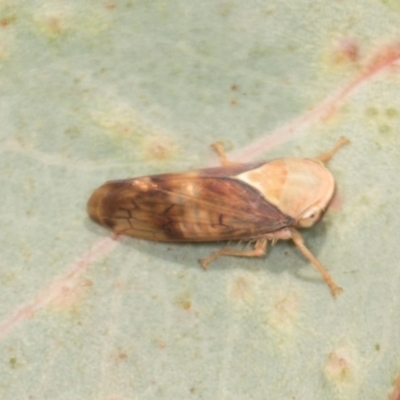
(100, 90)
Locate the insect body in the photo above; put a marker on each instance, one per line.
(257, 202)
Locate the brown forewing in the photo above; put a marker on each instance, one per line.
(203, 205)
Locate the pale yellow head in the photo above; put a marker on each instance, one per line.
(300, 188)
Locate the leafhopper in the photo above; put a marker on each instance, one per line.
(255, 202)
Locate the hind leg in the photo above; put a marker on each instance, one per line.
(260, 248)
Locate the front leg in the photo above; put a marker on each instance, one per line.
(328, 155)
(259, 250)
(298, 241)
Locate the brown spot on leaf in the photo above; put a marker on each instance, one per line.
(184, 301)
(347, 50)
(159, 148)
(242, 289)
(339, 367)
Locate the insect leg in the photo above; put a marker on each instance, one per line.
(327, 156)
(298, 241)
(219, 148)
(259, 250)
